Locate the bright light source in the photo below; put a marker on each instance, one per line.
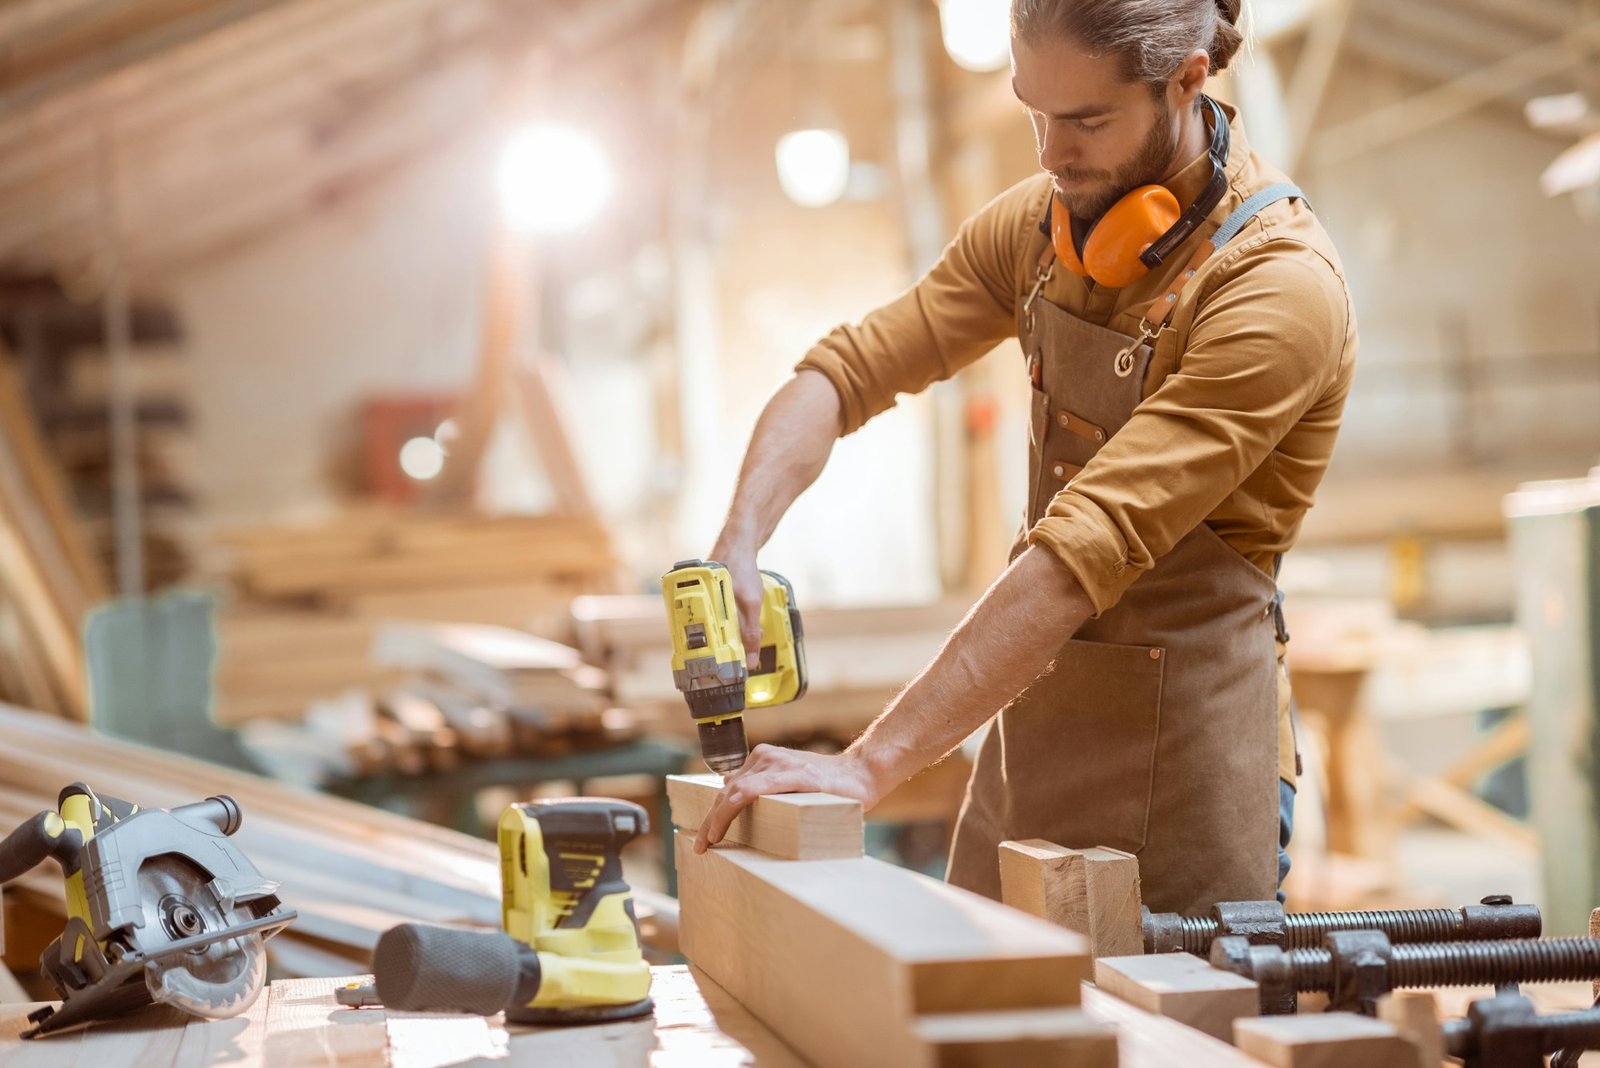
(977, 33)
(421, 458)
(1555, 112)
(813, 166)
(553, 178)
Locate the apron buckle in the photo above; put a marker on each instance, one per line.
(1123, 363)
(1033, 294)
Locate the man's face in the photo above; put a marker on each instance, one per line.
(1098, 135)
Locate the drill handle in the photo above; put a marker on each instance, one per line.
(46, 835)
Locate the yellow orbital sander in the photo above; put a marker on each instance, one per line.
(708, 656)
(569, 952)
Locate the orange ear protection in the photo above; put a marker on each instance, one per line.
(1141, 229)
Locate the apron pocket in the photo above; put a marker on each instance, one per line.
(1080, 747)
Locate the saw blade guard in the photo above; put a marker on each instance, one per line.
(215, 982)
(218, 979)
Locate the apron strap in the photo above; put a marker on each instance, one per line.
(1155, 317)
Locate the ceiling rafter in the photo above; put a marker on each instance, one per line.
(1479, 86)
(91, 43)
(316, 116)
(169, 91)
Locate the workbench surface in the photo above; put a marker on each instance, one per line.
(297, 1024)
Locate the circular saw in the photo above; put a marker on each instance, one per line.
(162, 908)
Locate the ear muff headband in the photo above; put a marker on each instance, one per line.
(1144, 227)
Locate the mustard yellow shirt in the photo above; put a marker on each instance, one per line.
(1243, 396)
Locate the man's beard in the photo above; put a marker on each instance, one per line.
(1148, 164)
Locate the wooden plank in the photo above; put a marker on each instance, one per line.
(1415, 1014)
(1594, 932)
(307, 1028)
(792, 826)
(1181, 987)
(237, 1040)
(1061, 1038)
(48, 487)
(10, 990)
(542, 394)
(59, 1052)
(1092, 891)
(1151, 1041)
(1324, 1040)
(840, 957)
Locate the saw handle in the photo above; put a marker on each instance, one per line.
(46, 835)
(215, 815)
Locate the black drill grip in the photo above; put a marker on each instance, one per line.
(46, 835)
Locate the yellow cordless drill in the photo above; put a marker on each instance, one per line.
(708, 656)
(569, 953)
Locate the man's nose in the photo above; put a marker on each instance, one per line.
(1055, 149)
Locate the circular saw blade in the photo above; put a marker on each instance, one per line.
(217, 980)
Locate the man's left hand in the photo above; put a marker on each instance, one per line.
(774, 770)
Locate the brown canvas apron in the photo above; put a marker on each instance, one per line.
(1155, 730)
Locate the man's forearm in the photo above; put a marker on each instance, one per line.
(790, 444)
(1004, 643)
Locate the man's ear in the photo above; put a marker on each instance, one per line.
(1189, 80)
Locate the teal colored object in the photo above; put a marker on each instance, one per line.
(152, 663)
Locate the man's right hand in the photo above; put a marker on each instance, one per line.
(747, 595)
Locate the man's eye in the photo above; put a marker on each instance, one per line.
(1092, 127)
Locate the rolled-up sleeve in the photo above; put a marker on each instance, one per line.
(957, 312)
(1266, 344)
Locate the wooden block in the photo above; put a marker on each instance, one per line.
(1183, 987)
(792, 826)
(1150, 1041)
(1415, 1014)
(1061, 1038)
(1594, 932)
(840, 957)
(1092, 891)
(1326, 1040)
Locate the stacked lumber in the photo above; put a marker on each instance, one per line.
(379, 552)
(60, 344)
(49, 577)
(351, 871)
(464, 691)
(306, 601)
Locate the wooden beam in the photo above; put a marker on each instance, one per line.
(1146, 1040)
(1313, 72)
(791, 826)
(1406, 118)
(1094, 892)
(1182, 987)
(1415, 1014)
(1325, 1040)
(89, 45)
(1506, 741)
(847, 959)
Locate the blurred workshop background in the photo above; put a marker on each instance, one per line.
(366, 362)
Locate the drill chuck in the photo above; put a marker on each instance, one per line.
(723, 745)
(715, 700)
